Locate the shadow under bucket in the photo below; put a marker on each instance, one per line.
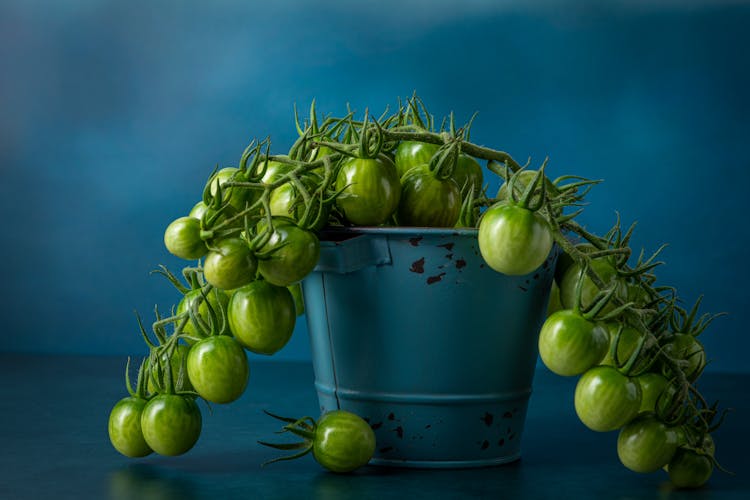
(411, 330)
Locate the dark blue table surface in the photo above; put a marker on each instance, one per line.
(53, 437)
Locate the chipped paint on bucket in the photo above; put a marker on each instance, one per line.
(411, 330)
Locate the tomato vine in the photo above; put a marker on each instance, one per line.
(259, 222)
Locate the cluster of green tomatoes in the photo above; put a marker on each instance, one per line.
(638, 357)
(255, 234)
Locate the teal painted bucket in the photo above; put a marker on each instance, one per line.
(411, 330)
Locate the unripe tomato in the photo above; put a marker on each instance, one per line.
(230, 264)
(605, 399)
(468, 172)
(124, 428)
(569, 344)
(171, 424)
(218, 368)
(689, 468)
(343, 441)
(262, 316)
(514, 240)
(427, 201)
(605, 270)
(410, 154)
(183, 238)
(291, 253)
(370, 190)
(217, 299)
(646, 444)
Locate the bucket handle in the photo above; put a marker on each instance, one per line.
(353, 254)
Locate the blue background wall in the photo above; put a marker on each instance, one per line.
(112, 114)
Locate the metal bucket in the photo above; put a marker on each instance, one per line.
(412, 331)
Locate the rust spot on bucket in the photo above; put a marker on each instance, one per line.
(447, 246)
(501, 442)
(415, 241)
(391, 416)
(417, 266)
(386, 449)
(376, 426)
(428, 426)
(460, 264)
(399, 432)
(449, 256)
(536, 276)
(507, 414)
(511, 436)
(434, 279)
(487, 419)
(485, 444)
(523, 288)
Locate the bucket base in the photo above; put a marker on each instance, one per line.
(435, 432)
(445, 464)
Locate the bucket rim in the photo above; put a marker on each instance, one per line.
(399, 231)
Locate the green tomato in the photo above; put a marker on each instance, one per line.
(526, 177)
(670, 402)
(564, 261)
(238, 197)
(569, 344)
(687, 348)
(468, 172)
(230, 264)
(707, 446)
(321, 151)
(646, 444)
(626, 345)
(605, 270)
(653, 386)
(203, 213)
(343, 441)
(427, 201)
(218, 368)
(177, 363)
(124, 427)
(198, 210)
(262, 316)
(605, 399)
(370, 190)
(183, 238)
(514, 240)
(287, 201)
(292, 253)
(217, 299)
(689, 468)
(275, 170)
(410, 154)
(171, 424)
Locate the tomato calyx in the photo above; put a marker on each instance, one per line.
(140, 391)
(443, 163)
(159, 366)
(303, 427)
(622, 335)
